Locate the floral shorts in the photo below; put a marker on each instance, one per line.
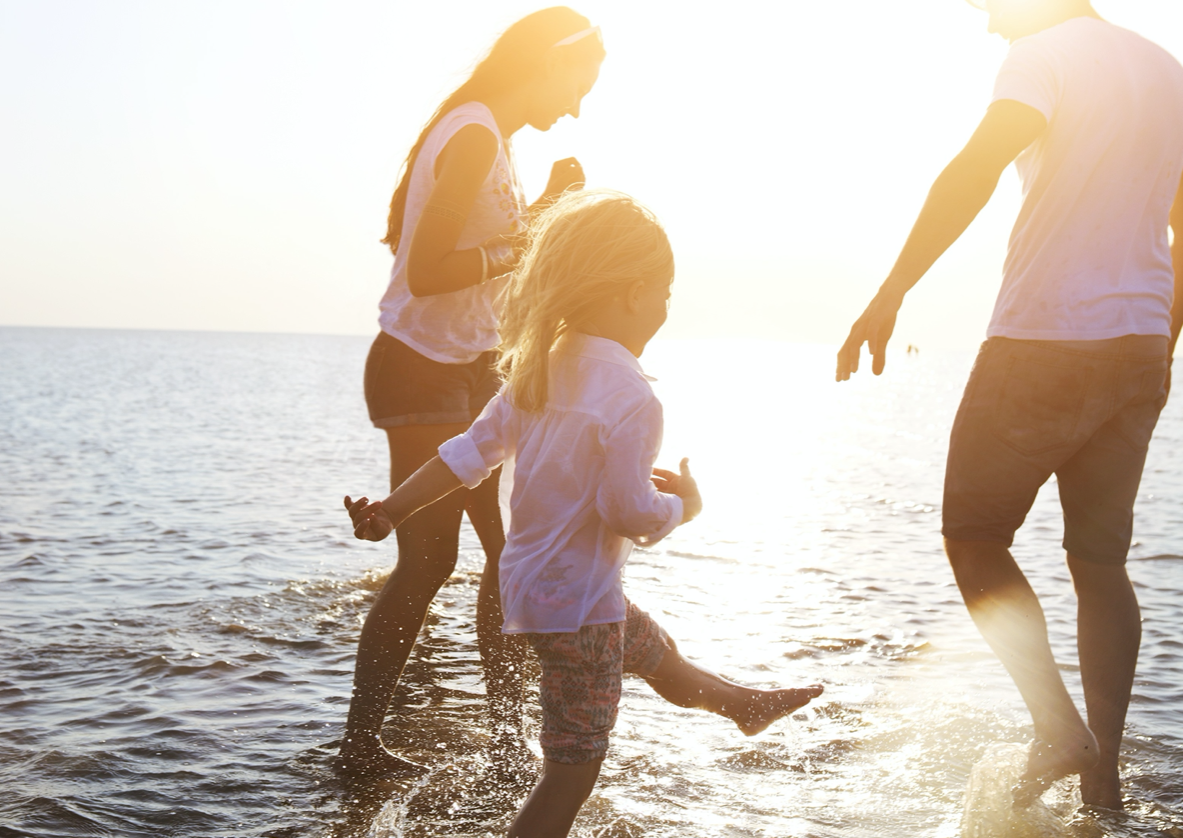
(581, 681)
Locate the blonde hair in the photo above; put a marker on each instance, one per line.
(587, 246)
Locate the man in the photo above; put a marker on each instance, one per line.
(1075, 368)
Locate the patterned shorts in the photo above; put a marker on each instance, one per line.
(581, 681)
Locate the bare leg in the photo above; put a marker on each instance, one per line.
(502, 655)
(1007, 613)
(686, 684)
(1109, 632)
(427, 547)
(551, 808)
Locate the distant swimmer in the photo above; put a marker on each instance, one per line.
(454, 228)
(580, 424)
(1076, 365)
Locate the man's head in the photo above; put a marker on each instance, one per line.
(1014, 19)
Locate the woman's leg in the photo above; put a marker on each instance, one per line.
(686, 684)
(427, 547)
(502, 655)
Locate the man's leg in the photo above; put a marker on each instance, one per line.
(1098, 488)
(1109, 632)
(1007, 612)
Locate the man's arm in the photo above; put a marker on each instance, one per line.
(956, 198)
(1177, 259)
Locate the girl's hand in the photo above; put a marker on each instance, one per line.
(564, 174)
(683, 485)
(370, 521)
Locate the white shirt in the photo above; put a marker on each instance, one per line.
(454, 328)
(1089, 256)
(577, 476)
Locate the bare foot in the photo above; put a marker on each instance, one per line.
(1047, 762)
(760, 708)
(368, 758)
(1101, 787)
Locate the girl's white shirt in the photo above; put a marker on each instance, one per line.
(454, 328)
(577, 478)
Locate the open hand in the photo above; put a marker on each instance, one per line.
(681, 484)
(564, 174)
(370, 521)
(873, 328)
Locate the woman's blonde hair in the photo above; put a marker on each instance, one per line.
(583, 249)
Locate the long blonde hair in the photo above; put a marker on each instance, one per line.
(587, 246)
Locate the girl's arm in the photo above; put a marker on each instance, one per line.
(434, 265)
(627, 499)
(374, 521)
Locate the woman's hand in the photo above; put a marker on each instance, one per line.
(504, 252)
(370, 521)
(564, 174)
(683, 485)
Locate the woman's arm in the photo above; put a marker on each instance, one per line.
(434, 265)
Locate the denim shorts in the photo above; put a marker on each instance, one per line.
(1082, 410)
(582, 673)
(404, 387)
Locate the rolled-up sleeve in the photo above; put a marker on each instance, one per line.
(474, 454)
(627, 500)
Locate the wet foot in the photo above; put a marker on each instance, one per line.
(1102, 789)
(1047, 762)
(371, 760)
(760, 708)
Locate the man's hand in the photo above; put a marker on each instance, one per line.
(873, 328)
(370, 521)
(683, 485)
(956, 197)
(564, 174)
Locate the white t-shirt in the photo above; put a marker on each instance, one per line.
(577, 479)
(1089, 256)
(454, 328)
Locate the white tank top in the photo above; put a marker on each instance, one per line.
(454, 328)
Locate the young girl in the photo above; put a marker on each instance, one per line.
(430, 370)
(579, 428)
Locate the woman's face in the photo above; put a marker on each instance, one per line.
(561, 90)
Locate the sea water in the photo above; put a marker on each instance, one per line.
(180, 600)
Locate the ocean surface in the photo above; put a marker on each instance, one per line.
(180, 598)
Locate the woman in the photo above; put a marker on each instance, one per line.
(453, 217)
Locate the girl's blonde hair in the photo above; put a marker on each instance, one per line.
(583, 249)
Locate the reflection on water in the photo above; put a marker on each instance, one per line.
(181, 599)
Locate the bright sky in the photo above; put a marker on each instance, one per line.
(227, 165)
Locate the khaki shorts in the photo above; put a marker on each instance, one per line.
(582, 673)
(1082, 410)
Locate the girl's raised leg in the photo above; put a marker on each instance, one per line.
(686, 684)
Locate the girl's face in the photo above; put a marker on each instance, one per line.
(652, 305)
(561, 90)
